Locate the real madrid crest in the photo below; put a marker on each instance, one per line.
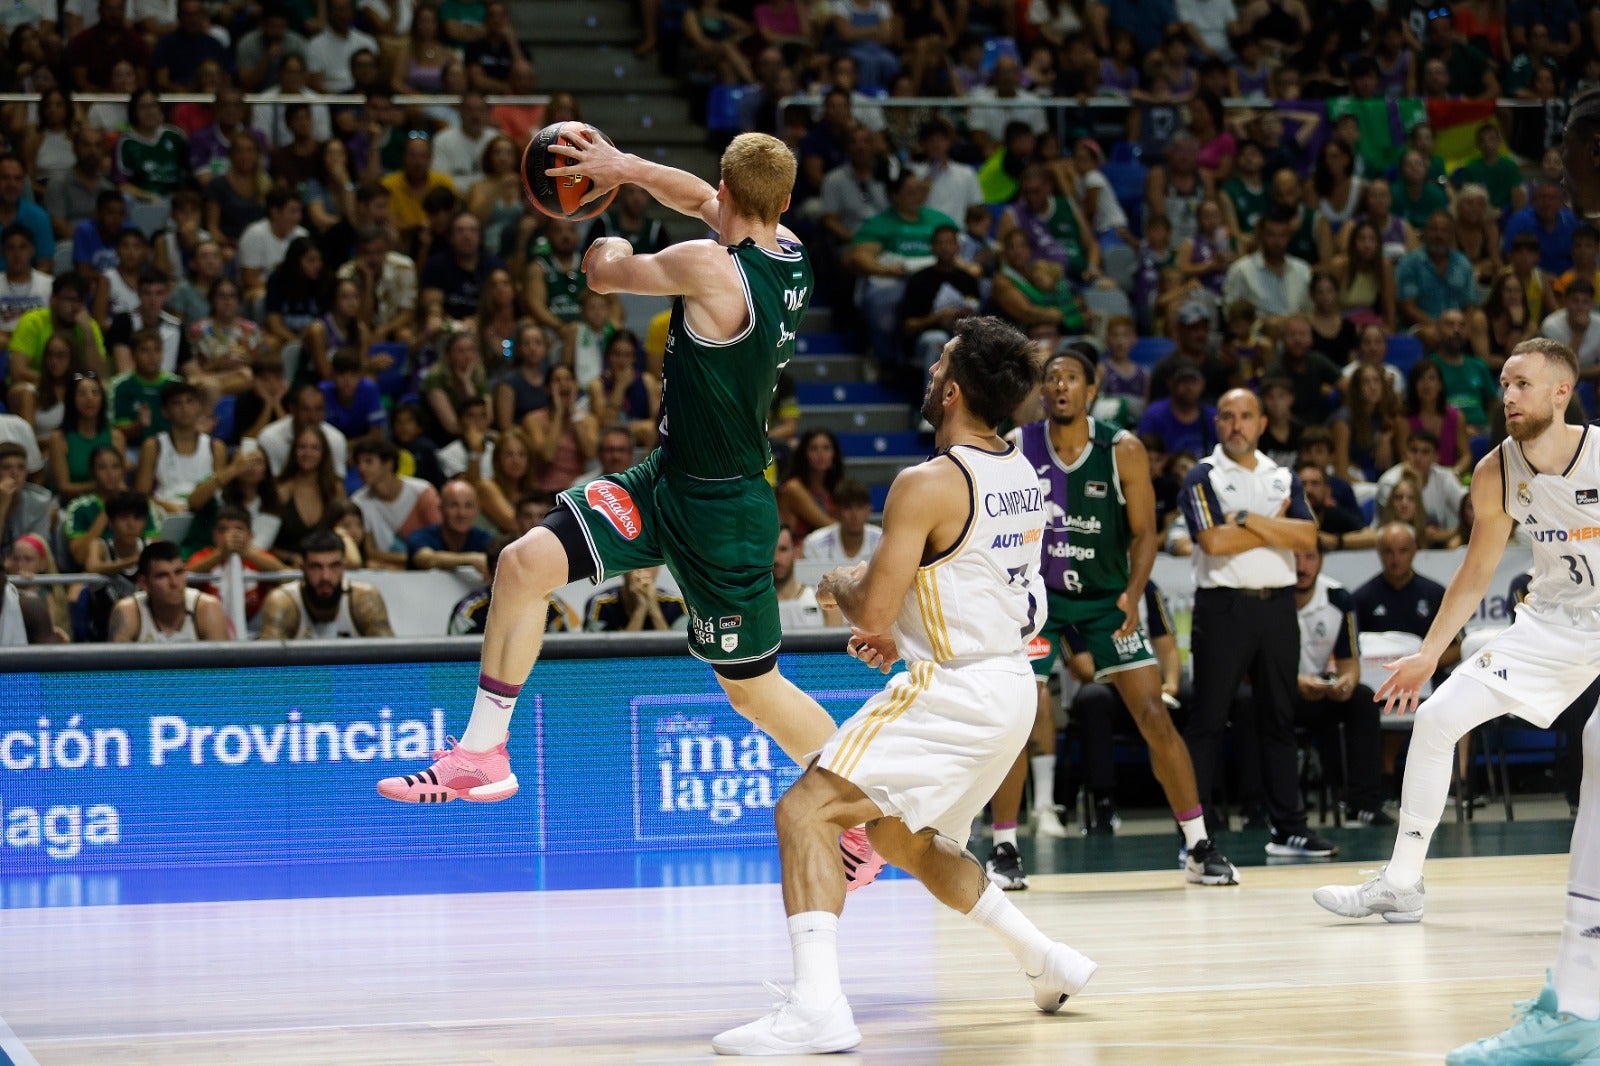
(1483, 661)
(1524, 497)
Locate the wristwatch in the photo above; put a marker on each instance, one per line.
(1239, 518)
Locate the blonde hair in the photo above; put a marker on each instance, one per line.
(759, 171)
(1553, 351)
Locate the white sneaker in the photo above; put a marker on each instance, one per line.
(795, 1028)
(1065, 973)
(1376, 896)
(1047, 823)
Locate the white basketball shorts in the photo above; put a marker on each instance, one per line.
(1543, 662)
(934, 746)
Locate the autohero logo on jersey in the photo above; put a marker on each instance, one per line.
(1578, 533)
(701, 772)
(614, 504)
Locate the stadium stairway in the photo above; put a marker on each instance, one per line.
(837, 391)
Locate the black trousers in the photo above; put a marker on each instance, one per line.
(1098, 709)
(1363, 746)
(1238, 635)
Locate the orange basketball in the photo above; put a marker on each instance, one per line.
(559, 197)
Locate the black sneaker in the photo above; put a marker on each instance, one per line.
(1302, 845)
(1106, 819)
(1005, 868)
(1206, 865)
(1256, 818)
(1358, 819)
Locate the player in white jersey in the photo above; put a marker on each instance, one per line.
(954, 588)
(1546, 477)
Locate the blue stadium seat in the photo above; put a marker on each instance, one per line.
(224, 416)
(1369, 510)
(1480, 447)
(880, 495)
(825, 344)
(823, 393)
(1148, 351)
(906, 442)
(1404, 351)
(725, 105)
(1127, 181)
(392, 382)
(994, 48)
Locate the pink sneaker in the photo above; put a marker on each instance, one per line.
(862, 865)
(478, 776)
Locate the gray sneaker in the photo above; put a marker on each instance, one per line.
(1376, 896)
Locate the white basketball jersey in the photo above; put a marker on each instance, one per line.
(341, 625)
(1561, 515)
(984, 597)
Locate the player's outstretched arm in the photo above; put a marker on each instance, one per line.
(1490, 531)
(685, 269)
(607, 166)
(871, 594)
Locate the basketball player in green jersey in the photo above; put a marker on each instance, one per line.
(1099, 547)
(700, 502)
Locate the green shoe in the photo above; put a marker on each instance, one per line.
(1541, 1036)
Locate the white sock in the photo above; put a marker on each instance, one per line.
(1044, 780)
(998, 915)
(1006, 836)
(491, 714)
(1577, 969)
(1194, 830)
(1410, 849)
(814, 936)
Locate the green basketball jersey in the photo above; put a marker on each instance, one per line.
(562, 287)
(717, 393)
(1086, 533)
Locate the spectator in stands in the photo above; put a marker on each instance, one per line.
(418, 454)
(952, 186)
(191, 297)
(1416, 195)
(565, 436)
(324, 603)
(988, 125)
(271, 116)
(149, 315)
(635, 605)
(1510, 322)
(555, 278)
(455, 541)
(887, 248)
(231, 537)
(510, 477)
(339, 328)
(1427, 408)
(387, 284)
(1537, 289)
(1314, 376)
(457, 274)
(458, 150)
(1331, 701)
(308, 409)
(43, 404)
(166, 610)
(178, 55)
(308, 489)
(1203, 260)
(1469, 386)
(714, 38)
(84, 428)
(1244, 193)
(854, 191)
(616, 451)
(117, 290)
(1362, 275)
(92, 54)
(393, 506)
(1056, 230)
(1575, 326)
(458, 375)
(473, 448)
(935, 297)
(136, 395)
(1548, 218)
(328, 54)
(627, 218)
(850, 540)
(825, 145)
(237, 198)
(1180, 419)
(71, 197)
(490, 58)
(354, 405)
(261, 53)
(1332, 334)
(805, 491)
(532, 509)
(625, 395)
(1034, 294)
(410, 186)
(1271, 280)
(1437, 278)
(1280, 429)
(1177, 186)
(1441, 488)
(1498, 173)
(25, 508)
(297, 294)
(1338, 528)
(1368, 430)
(94, 241)
(263, 244)
(116, 552)
(1195, 347)
(242, 482)
(30, 557)
(1471, 73)
(174, 460)
(27, 287)
(519, 389)
(1585, 253)
(797, 602)
(151, 156)
(1395, 235)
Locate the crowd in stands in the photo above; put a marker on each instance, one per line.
(342, 320)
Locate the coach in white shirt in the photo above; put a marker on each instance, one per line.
(1248, 517)
(850, 540)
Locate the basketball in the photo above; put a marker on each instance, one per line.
(559, 197)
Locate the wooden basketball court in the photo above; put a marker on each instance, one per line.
(1255, 974)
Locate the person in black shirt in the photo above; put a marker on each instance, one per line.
(459, 272)
(1400, 600)
(935, 298)
(490, 57)
(637, 605)
(626, 218)
(1195, 347)
(1338, 529)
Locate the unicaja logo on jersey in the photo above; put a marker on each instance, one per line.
(612, 501)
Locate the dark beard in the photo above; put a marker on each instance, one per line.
(1062, 420)
(932, 410)
(1528, 428)
(318, 604)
